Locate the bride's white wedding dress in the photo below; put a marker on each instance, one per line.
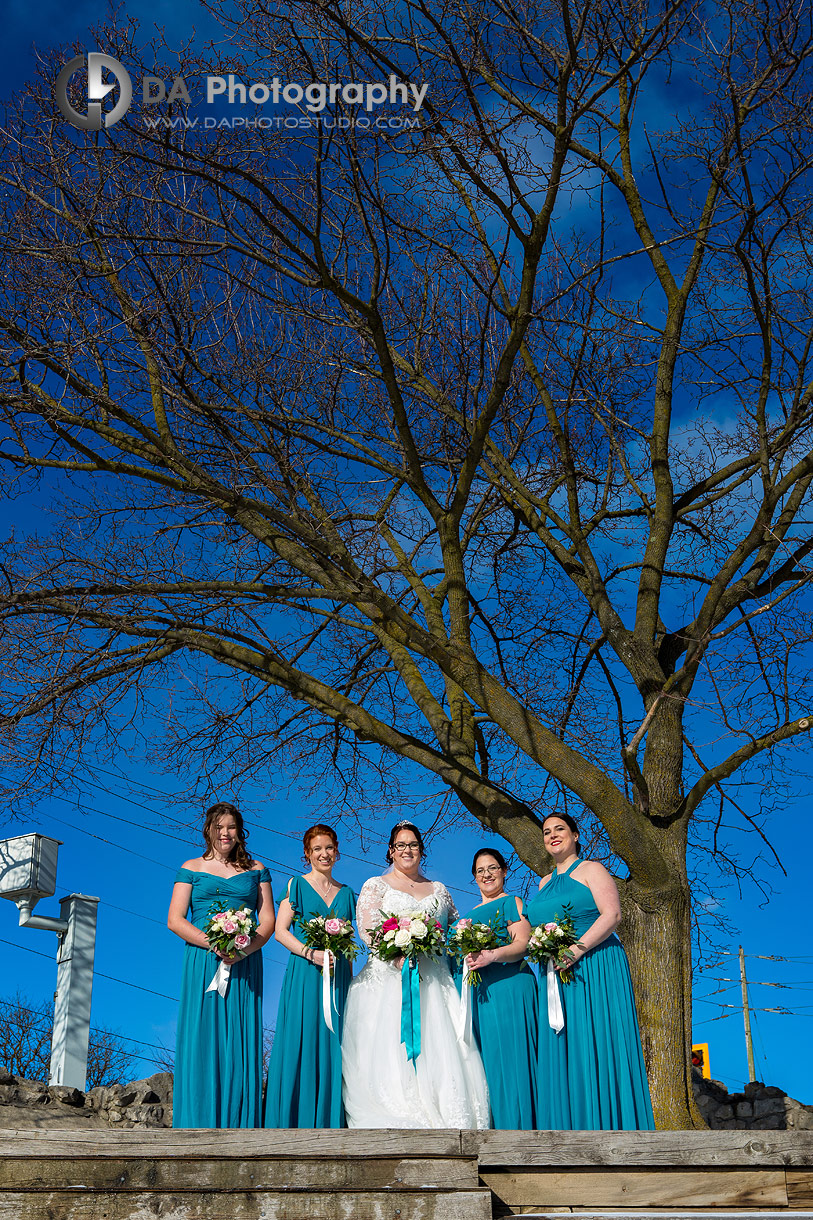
(446, 1086)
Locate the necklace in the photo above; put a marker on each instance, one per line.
(323, 889)
(409, 881)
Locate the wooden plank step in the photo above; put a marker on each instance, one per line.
(255, 1205)
(654, 1213)
(541, 1189)
(234, 1144)
(161, 1173)
(715, 1149)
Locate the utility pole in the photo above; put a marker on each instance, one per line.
(746, 1016)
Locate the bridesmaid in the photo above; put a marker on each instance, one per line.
(305, 1069)
(591, 1074)
(218, 1060)
(504, 1004)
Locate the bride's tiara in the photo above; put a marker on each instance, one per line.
(404, 822)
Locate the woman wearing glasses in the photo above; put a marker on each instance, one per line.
(504, 1003)
(444, 1085)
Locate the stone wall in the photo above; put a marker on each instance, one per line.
(27, 1104)
(762, 1107)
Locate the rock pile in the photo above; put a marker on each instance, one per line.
(26, 1104)
(29, 1104)
(762, 1107)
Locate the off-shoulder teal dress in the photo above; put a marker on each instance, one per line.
(218, 1047)
(591, 1075)
(305, 1069)
(504, 1022)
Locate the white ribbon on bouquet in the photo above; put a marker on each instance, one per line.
(220, 982)
(464, 1012)
(328, 992)
(556, 1016)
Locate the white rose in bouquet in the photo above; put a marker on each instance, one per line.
(402, 938)
(417, 929)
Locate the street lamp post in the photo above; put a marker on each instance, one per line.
(28, 873)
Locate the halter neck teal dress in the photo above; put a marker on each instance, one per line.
(591, 1075)
(305, 1069)
(504, 1023)
(218, 1055)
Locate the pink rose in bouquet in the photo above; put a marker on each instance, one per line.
(551, 942)
(230, 932)
(411, 936)
(331, 934)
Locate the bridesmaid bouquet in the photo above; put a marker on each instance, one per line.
(411, 936)
(469, 937)
(550, 942)
(333, 935)
(229, 932)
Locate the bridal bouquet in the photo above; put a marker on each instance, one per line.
(469, 937)
(230, 933)
(550, 943)
(410, 936)
(333, 935)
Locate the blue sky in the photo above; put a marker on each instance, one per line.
(122, 844)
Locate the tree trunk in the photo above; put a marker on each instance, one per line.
(656, 932)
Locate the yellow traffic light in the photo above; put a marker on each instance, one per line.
(700, 1058)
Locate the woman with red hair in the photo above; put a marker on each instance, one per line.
(305, 1069)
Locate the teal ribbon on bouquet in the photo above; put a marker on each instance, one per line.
(411, 1008)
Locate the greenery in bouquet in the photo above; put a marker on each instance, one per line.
(552, 942)
(334, 935)
(468, 936)
(413, 935)
(230, 931)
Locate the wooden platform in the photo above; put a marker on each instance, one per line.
(590, 1172)
(403, 1175)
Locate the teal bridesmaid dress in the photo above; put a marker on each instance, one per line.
(305, 1069)
(218, 1055)
(504, 1022)
(591, 1075)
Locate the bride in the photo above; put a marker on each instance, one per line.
(446, 1084)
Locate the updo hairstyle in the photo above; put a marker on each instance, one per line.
(313, 832)
(399, 826)
(489, 851)
(570, 823)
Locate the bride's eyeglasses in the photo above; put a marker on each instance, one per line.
(400, 848)
(488, 872)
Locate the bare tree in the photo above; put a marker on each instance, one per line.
(485, 447)
(26, 1028)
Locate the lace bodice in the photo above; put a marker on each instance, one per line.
(378, 895)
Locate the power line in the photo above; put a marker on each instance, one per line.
(139, 783)
(96, 973)
(93, 1029)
